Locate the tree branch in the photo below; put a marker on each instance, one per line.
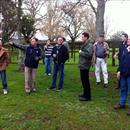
(93, 8)
(74, 5)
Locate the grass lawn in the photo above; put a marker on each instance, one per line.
(53, 110)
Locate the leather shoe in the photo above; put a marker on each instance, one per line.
(105, 85)
(119, 106)
(84, 99)
(52, 88)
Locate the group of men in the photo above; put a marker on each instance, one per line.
(88, 54)
(98, 53)
(60, 54)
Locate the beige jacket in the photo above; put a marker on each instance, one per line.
(4, 58)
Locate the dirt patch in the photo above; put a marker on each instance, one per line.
(29, 115)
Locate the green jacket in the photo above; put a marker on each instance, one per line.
(85, 56)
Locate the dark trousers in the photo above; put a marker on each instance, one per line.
(84, 74)
(58, 68)
(119, 82)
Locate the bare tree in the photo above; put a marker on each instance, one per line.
(33, 7)
(8, 10)
(51, 20)
(72, 22)
(99, 11)
(89, 22)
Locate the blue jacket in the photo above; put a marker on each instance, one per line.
(124, 64)
(61, 53)
(33, 54)
(122, 46)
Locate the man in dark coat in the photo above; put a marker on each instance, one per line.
(85, 58)
(33, 55)
(60, 54)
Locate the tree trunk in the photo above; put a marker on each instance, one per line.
(72, 48)
(21, 54)
(74, 53)
(100, 17)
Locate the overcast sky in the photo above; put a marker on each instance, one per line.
(118, 13)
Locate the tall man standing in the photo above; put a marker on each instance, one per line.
(33, 55)
(124, 73)
(122, 46)
(120, 52)
(60, 54)
(85, 57)
(101, 51)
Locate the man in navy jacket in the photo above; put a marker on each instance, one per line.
(124, 73)
(60, 54)
(33, 55)
(122, 46)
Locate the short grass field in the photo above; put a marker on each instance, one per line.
(54, 110)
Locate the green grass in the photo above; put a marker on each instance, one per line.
(53, 110)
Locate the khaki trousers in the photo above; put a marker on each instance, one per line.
(30, 79)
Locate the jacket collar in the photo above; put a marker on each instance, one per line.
(87, 42)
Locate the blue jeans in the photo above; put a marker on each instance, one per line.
(3, 78)
(124, 90)
(60, 68)
(48, 65)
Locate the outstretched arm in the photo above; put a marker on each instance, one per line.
(19, 46)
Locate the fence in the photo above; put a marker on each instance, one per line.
(13, 52)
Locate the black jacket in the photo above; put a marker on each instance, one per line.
(60, 54)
